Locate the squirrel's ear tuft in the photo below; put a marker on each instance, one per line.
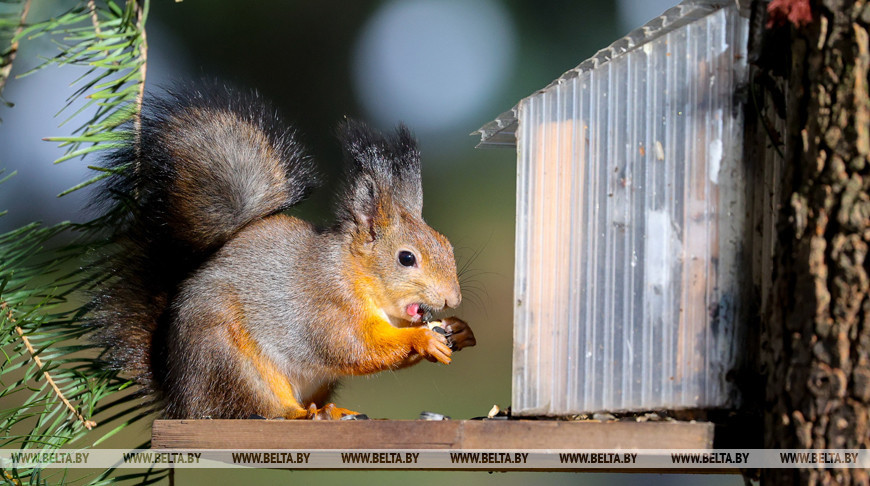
(391, 164)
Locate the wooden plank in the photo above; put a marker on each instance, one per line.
(421, 434)
(400, 435)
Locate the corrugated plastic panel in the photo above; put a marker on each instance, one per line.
(630, 228)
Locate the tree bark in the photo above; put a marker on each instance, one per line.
(815, 333)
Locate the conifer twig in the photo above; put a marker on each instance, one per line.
(143, 54)
(92, 5)
(143, 70)
(89, 424)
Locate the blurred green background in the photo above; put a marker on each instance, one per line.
(444, 67)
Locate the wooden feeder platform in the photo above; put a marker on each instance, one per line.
(446, 434)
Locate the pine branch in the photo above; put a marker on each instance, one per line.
(89, 424)
(111, 42)
(42, 339)
(140, 96)
(47, 363)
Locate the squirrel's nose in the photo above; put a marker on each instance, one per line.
(453, 297)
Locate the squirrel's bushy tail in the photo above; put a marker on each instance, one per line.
(204, 163)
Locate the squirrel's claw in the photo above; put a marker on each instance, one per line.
(328, 412)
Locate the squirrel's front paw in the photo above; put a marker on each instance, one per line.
(459, 334)
(432, 346)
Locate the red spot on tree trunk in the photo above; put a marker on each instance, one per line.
(795, 11)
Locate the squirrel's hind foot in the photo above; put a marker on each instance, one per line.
(329, 412)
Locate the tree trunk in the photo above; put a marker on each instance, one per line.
(815, 334)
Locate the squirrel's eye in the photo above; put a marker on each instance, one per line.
(407, 259)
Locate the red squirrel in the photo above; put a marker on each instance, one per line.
(222, 306)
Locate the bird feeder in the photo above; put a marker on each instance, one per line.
(631, 252)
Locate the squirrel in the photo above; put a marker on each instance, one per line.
(221, 305)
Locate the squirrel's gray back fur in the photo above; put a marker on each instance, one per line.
(205, 163)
